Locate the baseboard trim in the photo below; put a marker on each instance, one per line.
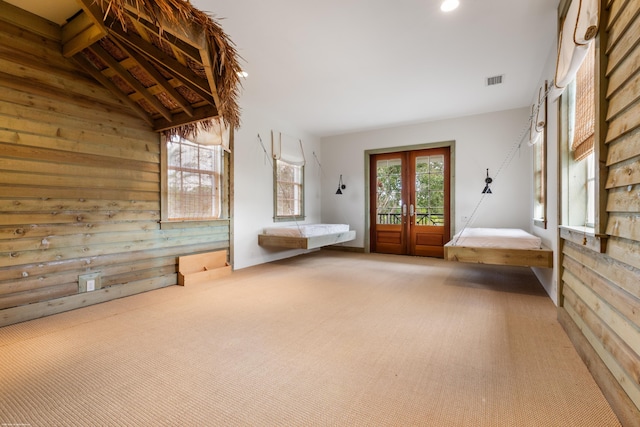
(344, 249)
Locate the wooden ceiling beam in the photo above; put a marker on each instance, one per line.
(109, 85)
(131, 81)
(200, 114)
(80, 33)
(207, 63)
(151, 52)
(191, 80)
(158, 78)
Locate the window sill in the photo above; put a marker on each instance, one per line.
(584, 236)
(541, 223)
(172, 225)
(288, 218)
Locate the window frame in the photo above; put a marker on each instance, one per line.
(570, 225)
(225, 200)
(300, 216)
(540, 165)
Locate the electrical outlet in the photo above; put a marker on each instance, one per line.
(89, 282)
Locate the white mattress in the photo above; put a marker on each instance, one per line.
(307, 230)
(506, 238)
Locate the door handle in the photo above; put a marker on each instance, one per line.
(404, 210)
(411, 210)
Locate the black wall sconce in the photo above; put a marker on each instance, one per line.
(341, 186)
(487, 181)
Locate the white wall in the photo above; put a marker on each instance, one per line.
(547, 276)
(253, 180)
(481, 142)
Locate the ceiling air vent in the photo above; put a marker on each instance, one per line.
(495, 80)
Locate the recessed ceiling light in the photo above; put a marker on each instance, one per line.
(242, 74)
(449, 5)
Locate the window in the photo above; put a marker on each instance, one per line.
(194, 181)
(579, 155)
(289, 191)
(288, 177)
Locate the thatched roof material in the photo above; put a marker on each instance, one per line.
(170, 61)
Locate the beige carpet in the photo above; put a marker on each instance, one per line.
(326, 339)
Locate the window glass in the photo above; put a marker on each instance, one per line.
(194, 180)
(289, 191)
(579, 158)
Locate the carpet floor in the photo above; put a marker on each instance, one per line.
(325, 339)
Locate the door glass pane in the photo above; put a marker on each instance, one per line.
(389, 191)
(430, 190)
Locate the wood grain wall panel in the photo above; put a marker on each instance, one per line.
(601, 291)
(624, 250)
(79, 185)
(581, 313)
(624, 148)
(626, 32)
(615, 347)
(622, 20)
(623, 71)
(624, 199)
(624, 98)
(615, 271)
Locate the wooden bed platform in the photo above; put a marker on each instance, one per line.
(312, 242)
(499, 256)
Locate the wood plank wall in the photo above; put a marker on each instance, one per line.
(79, 184)
(601, 291)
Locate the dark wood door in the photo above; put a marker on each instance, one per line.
(410, 202)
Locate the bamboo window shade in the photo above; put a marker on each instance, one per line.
(585, 121)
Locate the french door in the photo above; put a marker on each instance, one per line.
(409, 213)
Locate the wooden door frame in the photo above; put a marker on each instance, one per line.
(367, 188)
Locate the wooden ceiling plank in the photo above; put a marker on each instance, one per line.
(131, 81)
(179, 71)
(157, 77)
(93, 71)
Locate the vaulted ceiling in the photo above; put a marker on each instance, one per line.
(339, 66)
(171, 63)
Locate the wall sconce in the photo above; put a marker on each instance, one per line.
(341, 186)
(487, 181)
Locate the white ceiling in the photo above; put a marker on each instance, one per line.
(338, 66)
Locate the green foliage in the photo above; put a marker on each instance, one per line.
(429, 190)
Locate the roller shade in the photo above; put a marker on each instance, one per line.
(216, 134)
(287, 148)
(579, 28)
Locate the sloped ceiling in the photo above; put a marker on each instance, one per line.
(339, 66)
(173, 66)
